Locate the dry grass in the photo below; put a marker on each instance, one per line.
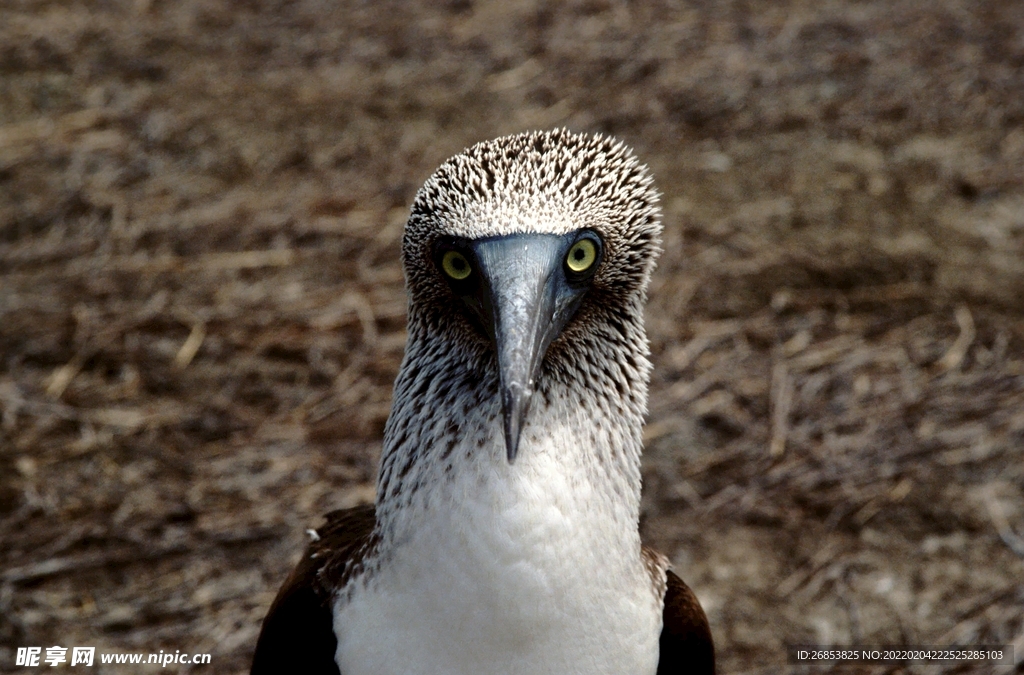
(201, 309)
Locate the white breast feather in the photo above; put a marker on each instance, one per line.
(507, 569)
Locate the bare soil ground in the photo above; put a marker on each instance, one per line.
(201, 308)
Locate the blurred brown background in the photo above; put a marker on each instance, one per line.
(201, 308)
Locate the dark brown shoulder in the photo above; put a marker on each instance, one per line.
(298, 631)
(344, 540)
(686, 644)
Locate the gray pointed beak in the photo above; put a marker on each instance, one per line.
(523, 304)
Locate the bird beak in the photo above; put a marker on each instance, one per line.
(523, 303)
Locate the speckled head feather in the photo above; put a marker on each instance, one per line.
(544, 182)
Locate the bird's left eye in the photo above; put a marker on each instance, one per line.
(582, 256)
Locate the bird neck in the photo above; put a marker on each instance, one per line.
(444, 446)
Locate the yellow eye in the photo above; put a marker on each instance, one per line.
(455, 265)
(581, 256)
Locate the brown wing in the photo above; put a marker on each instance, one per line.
(298, 631)
(686, 644)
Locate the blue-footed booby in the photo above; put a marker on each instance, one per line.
(505, 537)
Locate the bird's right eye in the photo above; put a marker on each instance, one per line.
(455, 265)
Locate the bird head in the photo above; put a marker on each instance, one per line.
(535, 251)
